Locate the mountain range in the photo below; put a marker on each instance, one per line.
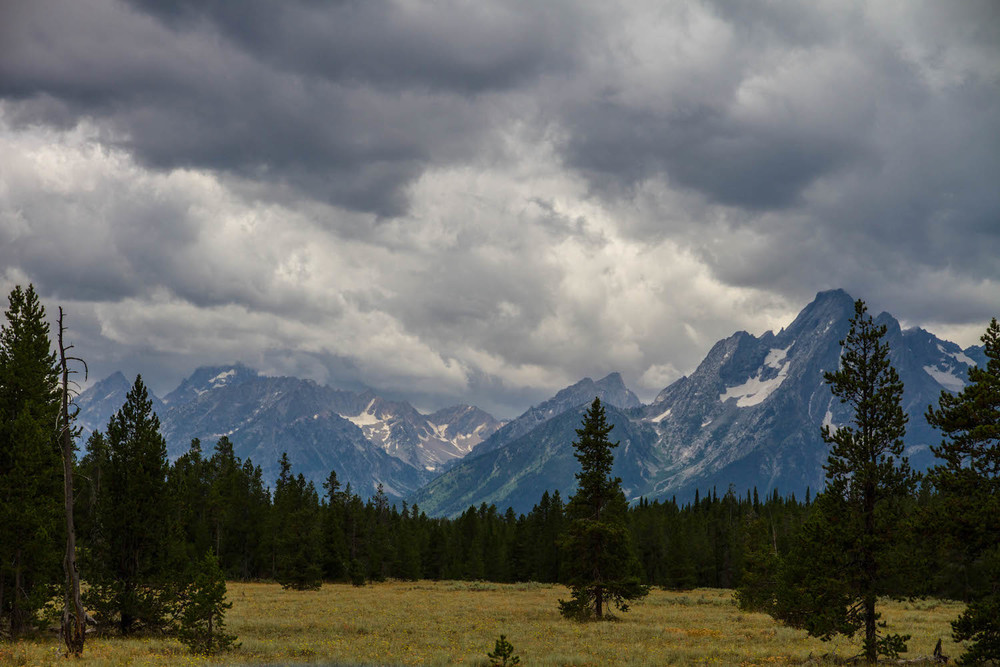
(748, 416)
(367, 440)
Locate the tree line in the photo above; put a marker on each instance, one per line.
(148, 528)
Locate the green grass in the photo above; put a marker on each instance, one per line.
(448, 623)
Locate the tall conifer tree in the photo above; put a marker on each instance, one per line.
(335, 556)
(968, 480)
(297, 531)
(599, 561)
(31, 530)
(844, 556)
(131, 556)
(866, 472)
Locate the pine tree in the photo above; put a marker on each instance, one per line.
(968, 481)
(502, 654)
(335, 556)
(88, 478)
(297, 532)
(31, 493)
(189, 485)
(378, 542)
(202, 619)
(545, 525)
(236, 514)
(600, 565)
(842, 558)
(407, 564)
(131, 583)
(223, 473)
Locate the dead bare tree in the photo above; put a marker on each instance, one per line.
(73, 619)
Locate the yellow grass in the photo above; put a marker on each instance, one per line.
(447, 623)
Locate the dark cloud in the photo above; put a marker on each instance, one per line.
(482, 202)
(826, 147)
(757, 168)
(347, 102)
(466, 48)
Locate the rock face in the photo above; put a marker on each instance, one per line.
(429, 442)
(750, 415)
(517, 473)
(610, 389)
(266, 416)
(207, 378)
(365, 438)
(104, 399)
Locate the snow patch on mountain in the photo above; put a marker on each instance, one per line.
(756, 390)
(222, 378)
(663, 415)
(946, 378)
(429, 442)
(775, 357)
(362, 420)
(959, 356)
(828, 420)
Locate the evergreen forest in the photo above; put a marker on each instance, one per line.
(145, 527)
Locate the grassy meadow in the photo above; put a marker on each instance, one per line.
(448, 623)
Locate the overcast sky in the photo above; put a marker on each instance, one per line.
(482, 202)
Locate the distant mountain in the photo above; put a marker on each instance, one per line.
(429, 442)
(206, 379)
(465, 426)
(366, 439)
(265, 416)
(517, 473)
(103, 399)
(610, 389)
(749, 415)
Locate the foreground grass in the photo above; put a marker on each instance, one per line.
(447, 623)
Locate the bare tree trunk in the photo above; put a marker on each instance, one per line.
(870, 574)
(871, 631)
(73, 629)
(15, 610)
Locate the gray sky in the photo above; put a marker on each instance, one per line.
(469, 201)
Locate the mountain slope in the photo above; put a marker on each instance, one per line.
(516, 474)
(103, 399)
(266, 416)
(365, 438)
(428, 442)
(610, 389)
(207, 378)
(749, 415)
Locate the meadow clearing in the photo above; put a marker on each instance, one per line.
(449, 623)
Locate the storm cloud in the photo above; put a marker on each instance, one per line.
(484, 202)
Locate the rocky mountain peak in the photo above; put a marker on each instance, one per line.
(749, 416)
(611, 389)
(103, 399)
(206, 378)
